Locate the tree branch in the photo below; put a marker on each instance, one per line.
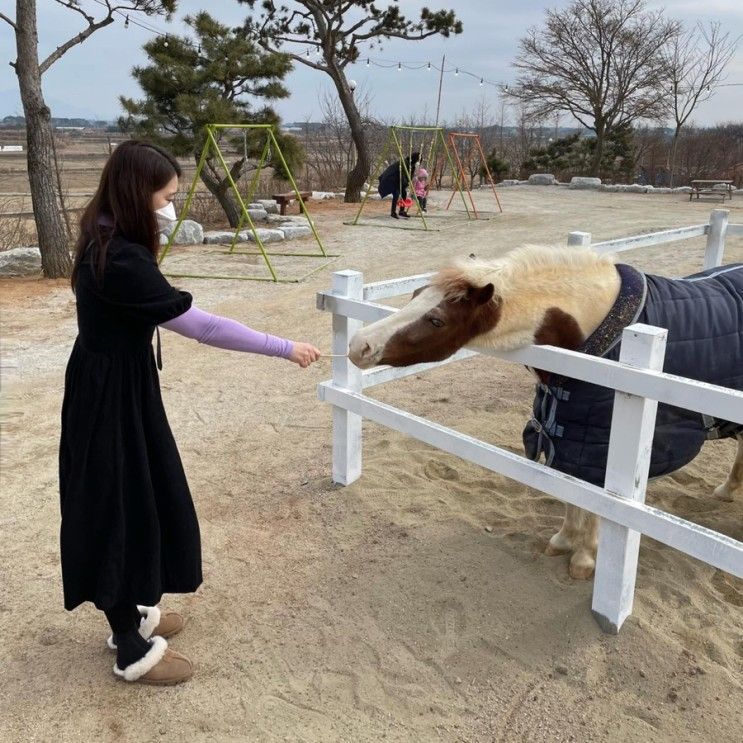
(7, 20)
(60, 50)
(74, 6)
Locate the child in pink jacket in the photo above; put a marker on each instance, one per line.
(420, 185)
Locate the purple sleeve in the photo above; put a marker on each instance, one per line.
(222, 332)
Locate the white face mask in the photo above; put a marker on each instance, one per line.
(165, 216)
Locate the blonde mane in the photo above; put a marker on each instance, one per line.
(523, 268)
(530, 280)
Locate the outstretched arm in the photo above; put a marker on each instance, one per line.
(222, 332)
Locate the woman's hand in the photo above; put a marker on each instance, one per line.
(304, 354)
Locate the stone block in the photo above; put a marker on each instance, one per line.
(20, 262)
(189, 233)
(580, 181)
(269, 205)
(212, 237)
(266, 235)
(258, 215)
(542, 179)
(295, 230)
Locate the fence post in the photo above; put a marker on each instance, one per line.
(630, 445)
(579, 239)
(346, 425)
(718, 227)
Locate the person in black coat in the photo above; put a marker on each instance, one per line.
(129, 530)
(394, 180)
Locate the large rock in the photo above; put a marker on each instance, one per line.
(542, 179)
(509, 182)
(580, 181)
(189, 233)
(264, 234)
(20, 262)
(269, 205)
(258, 215)
(212, 237)
(295, 230)
(638, 188)
(682, 189)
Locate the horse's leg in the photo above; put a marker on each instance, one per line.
(733, 486)
(583, 561)
(562, 542)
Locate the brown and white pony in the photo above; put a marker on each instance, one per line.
(532, 295)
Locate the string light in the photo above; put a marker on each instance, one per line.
(126, 22)
(482, 82)
(456, 72)
(399, 66)
(429, 66)
(308, 54)
(368, 63)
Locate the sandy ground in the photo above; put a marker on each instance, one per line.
(383, 610)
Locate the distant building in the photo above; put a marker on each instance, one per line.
(11, 148)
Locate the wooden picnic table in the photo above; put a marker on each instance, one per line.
(282, 199)
(706, 187)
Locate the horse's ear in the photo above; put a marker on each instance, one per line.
(419, 290)
(482, 294)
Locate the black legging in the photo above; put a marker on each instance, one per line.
(123, 618)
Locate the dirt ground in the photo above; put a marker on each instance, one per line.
(384, 610)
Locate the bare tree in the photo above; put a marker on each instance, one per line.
(337, 29)
(53, 240)
(696, 61)
(600, 61)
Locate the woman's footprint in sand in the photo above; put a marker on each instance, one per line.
(435, 470)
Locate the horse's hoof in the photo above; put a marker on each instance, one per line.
(723, 493)
(552, 551)
(582, 567)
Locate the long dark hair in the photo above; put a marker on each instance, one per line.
(123, 202)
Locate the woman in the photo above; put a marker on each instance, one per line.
(129, 529)
(394, 180)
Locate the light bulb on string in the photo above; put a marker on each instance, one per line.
(368, 63)
(126, 22)
(399, 66)
(481, 82)
(165, 43)
(456, 72)
(307, 54)
(429, 66)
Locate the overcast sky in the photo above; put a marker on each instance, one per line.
(87, 81)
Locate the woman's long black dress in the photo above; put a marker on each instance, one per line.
(129, 528)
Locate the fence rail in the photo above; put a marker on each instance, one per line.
(638, 383)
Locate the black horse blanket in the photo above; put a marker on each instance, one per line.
(704, 317)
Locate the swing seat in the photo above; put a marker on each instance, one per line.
(283, 199)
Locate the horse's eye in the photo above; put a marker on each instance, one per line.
(436, 322)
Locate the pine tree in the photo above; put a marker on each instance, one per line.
(339, 31)
(211, 78)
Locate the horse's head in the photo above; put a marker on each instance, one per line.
(440, 319)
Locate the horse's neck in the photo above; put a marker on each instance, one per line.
(554, 306)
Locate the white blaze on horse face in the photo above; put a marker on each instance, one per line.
(367, 346)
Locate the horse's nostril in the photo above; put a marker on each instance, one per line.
(366, 350)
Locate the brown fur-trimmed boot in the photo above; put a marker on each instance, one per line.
(160, 666)
(155, 623)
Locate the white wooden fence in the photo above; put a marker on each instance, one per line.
(639, 386)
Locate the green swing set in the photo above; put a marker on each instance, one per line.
(211, 147)
(438, 154)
